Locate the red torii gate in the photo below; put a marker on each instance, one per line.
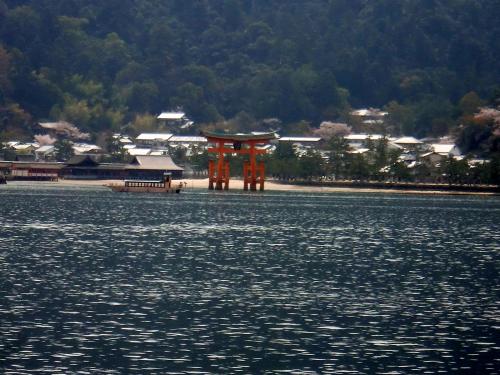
(253, 174)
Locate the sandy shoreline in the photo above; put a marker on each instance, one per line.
(237, 185)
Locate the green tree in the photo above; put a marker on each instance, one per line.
(115, 55)
(116, 152)
(15, 122)
(401, 119)
(311, 165)
(141, 96)
(300, 128)
(455, 171)
(242, 122)
(144, 123)
(283, 163)
(22, 27)
(381, 153)
(192, 99)
(495, 169)
(358, 167)
(5, 84)
(470, 103)
(338, 148)
(473, 137)
(63, 150)
(284, 150)
(199, 160)
(400, 171)
(76, 112)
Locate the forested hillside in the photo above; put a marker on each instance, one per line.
(103, 64)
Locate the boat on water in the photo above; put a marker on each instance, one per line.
(148, 186)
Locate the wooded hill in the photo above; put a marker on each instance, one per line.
(103, 64)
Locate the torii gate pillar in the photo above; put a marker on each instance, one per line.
(218, 174)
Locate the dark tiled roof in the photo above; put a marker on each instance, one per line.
(81, 160)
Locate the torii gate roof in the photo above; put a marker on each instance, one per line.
(241, 137)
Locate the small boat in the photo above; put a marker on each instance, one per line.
(148, 186)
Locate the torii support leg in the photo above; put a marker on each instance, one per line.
(246, 178)
(253, 168)
(218, 174)
(262, 174)
(221, 168)
(221, 181)
(211, 174)
(255, 178)
(226, 176)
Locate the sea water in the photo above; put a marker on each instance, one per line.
(93, 281)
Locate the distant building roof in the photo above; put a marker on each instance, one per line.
(363, 137)
(83, 148)
(154, 163)
(393, 146)
(54, 125)
(475, 162)
(122, 138)
(187, 124)
(158, 153)
(188, 139)
(358, 151)
(154, 136)
(300, 139)
(171, 116)
(373, 122)
(82, 160)
(424, 155)
(24, 146)
(367, 112)
(138, 151)
(45, 149)
(407, 141)
(267, 147)
(407, 157)
(448, 149)
(32, 164)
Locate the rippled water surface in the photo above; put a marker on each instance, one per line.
(97, 282)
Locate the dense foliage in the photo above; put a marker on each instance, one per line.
(103, 64)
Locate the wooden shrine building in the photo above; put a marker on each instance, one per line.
(243, 144)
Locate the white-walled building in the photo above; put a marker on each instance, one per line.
(153, 139)
(175, 118)
(302, 140)
(360, 140)
(44, 152)
(408, 143)
(85, 148)
(138, 151)
(448, 149)
(187, 140)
